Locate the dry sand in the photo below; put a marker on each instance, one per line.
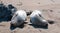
(50, 10)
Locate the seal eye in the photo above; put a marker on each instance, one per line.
(39, 15)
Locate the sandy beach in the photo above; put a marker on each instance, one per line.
(49, 8)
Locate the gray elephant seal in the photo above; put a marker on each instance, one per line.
(18, 18)
(37, 19)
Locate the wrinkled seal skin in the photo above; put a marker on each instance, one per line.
(37, 19)
(18, 18)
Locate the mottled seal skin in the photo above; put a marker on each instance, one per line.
(19, 17)
(12, 8)
(37, 19)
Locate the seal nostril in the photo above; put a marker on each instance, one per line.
(46, 25)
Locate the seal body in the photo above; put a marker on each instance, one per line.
(37, 19)
(18, 18)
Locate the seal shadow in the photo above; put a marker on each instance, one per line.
(39, 26)
(12, 27)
